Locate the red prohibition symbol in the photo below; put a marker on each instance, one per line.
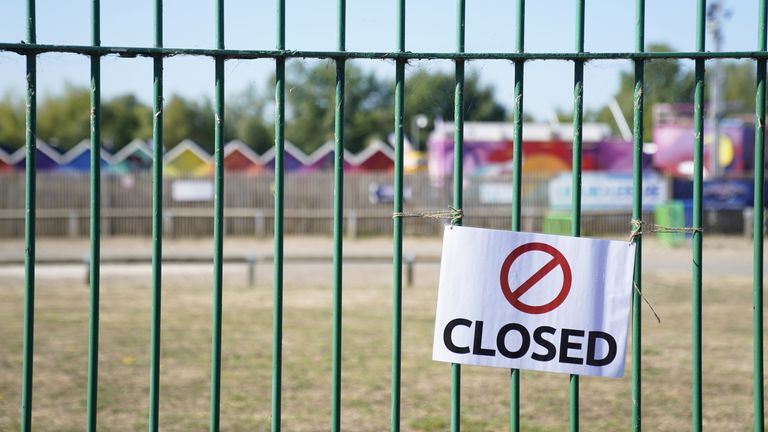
(513, 295)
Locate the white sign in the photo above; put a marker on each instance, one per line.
(533, 301)
(604, 191)
(192, 190)
(496, 193)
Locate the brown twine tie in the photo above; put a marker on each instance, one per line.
(453, 214)
(639, 228)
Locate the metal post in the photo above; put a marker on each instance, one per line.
(397, 231)
(458, 184)
(250, 262)
(277, 319)
(716, 88)
(93, 322)
(158, 226)
(517, 172)
(352, 224)
(167, 216)
(259, 228)
(218, 223)
(698, 178)
(338, 220)
(578, 107)
(30, 193)
(73, 224)
(637, 214)
(87, 272)
(410, 261)
(758, 212)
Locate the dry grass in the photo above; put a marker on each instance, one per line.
(61, 345)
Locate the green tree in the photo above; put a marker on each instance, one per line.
(739, 86)
(12, 121)
(369, 103)
(63, 120)
(188, 119)
(123, 119)
(246, 113)
(666, 81)
(310, 107)
(432, 95)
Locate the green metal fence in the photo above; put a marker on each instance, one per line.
(30, 49)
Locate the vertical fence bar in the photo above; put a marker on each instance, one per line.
(157, 221)
(218, 222)
(458, 184)
(698, 180)
(397, 231)
(30, 192)
(277, 319)
(578, 107)
(338, 218)
(517, 173)
(94, 263)
(637, 214)
(757, 223)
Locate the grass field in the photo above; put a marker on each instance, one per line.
(61, 356)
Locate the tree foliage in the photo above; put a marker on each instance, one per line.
(739, 86)
(369, 101)
(12, 121)
(64, 118)
(246, 113)
(188, 119)
(310, 106)
(670, 81)
(123, 119)
(666, 81)
(433, 95)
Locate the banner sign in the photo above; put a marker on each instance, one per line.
(533, 301)
(380, 193)
(604, 191)
(728, 194)
(192, 190)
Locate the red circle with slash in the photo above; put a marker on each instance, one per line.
(557, 261)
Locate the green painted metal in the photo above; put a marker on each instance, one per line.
(458, 113)
(95, 221)
(758, 235)
(218, 223)
(218, 244)
(22, 48)
(30, 192)
(338, 219)
(397, 229)
(517, 173)
(757, 224)
(157, 222)
(637, 214)
(30, 49)
(698, 180)
(458, 184)
(277, 317)
(578, 111)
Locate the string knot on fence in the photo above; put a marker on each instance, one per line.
(639, 228)
(453, 214)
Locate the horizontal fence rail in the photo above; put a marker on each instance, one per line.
(34, 49)
(35, 203)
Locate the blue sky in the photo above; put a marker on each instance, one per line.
(370, 27)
